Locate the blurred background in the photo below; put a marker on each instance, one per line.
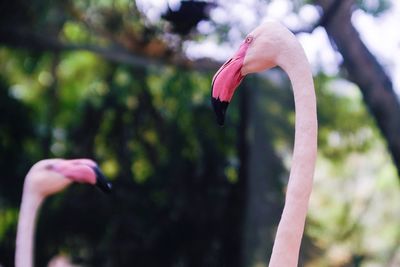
(128, 83)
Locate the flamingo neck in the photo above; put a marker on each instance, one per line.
(31, 202)
(291, 226)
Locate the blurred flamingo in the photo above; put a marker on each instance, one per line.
(45, 178)
(269, 45)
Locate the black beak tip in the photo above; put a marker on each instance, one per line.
(101, 181)
(219, 109)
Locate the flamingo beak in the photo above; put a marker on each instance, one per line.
(219, 109)
(101, 181)
(226, 81)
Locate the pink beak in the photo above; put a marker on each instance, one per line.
(226, 81)
(83, 171)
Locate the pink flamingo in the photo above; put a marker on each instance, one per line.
(45, 178)
(267, 46)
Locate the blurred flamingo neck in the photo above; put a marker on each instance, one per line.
(31, 202)
(291, 226)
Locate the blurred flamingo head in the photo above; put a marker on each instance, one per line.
(50, 176)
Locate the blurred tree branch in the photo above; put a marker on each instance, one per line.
(24, 38)
(324, 19)
(364, 70)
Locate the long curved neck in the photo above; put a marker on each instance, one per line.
(26, 226)
(291, 226)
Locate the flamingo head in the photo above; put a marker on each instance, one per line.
(50, 176)
(262, 49)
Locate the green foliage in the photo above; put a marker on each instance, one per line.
(151, 133)
(344, 123)
(16, 135)
(179, 179)
(374, 7)
(354, 179)
(154, 134)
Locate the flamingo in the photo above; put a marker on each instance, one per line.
(272, 44)
(46, 178)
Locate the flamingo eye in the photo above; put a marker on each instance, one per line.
(49, 167)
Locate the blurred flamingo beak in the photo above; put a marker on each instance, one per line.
(226, 81)
(101, 181)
